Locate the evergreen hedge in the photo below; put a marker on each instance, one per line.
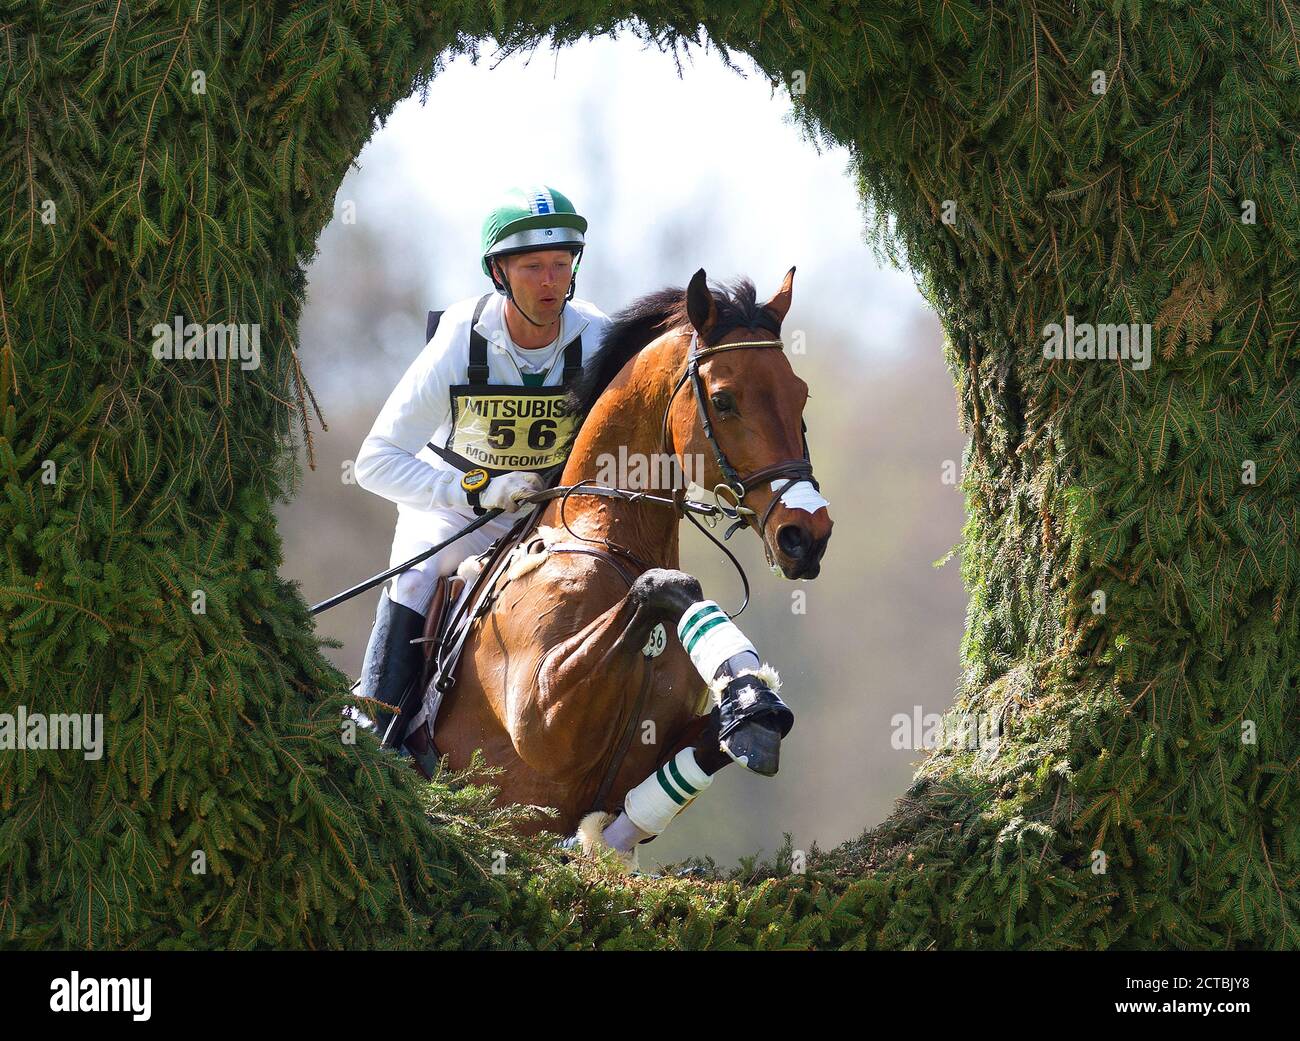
(1161, 734)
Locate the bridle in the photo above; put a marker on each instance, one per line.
(732, 483)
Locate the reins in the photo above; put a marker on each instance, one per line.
(681, 505)
(733, 484)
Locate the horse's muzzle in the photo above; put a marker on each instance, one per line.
(800, 551)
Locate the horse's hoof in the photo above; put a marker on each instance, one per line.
(755, 747)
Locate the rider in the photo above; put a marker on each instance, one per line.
(476, 418)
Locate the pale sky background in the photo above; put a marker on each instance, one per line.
(609, 123)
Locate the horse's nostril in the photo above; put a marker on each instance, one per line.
(794, 541)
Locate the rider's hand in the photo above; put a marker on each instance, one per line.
(503, 493)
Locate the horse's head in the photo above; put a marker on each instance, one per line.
(740, 413)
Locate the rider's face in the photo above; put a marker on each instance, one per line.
(540, 281)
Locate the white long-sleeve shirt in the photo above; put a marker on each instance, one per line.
(395, 460)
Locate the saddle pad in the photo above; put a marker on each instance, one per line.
(526, 556)
(529, 554)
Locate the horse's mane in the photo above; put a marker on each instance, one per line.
(648, 317)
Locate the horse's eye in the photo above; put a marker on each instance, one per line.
(724, 402)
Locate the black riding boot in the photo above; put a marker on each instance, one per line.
(392, 667)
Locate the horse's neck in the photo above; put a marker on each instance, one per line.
(624, 426)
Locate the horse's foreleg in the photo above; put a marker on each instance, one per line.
(701, 734)
(562, 718)
(746, 726)
(752, 718)
(686, 771)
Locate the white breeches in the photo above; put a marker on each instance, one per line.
(417, 531)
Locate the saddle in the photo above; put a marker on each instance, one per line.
(452, 613)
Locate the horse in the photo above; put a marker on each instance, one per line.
(570, 679)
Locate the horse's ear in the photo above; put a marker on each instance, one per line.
(700, 308)
(779, 305)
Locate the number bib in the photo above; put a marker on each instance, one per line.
(500, 428)
(503, 428)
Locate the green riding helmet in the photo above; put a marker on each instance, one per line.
(530, 219)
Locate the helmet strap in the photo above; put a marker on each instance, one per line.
(573, 278)
(503, 287)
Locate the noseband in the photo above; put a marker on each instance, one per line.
(732, 483)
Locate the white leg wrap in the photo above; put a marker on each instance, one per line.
(653, 803)
(621, 834)
(592, 842)
(710, 637)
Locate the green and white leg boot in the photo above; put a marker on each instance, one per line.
(754, 719)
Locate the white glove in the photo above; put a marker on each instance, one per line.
(504, 492)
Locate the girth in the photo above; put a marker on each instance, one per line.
(609, 553)
(603, 554)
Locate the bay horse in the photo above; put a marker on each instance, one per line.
(577, 679)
